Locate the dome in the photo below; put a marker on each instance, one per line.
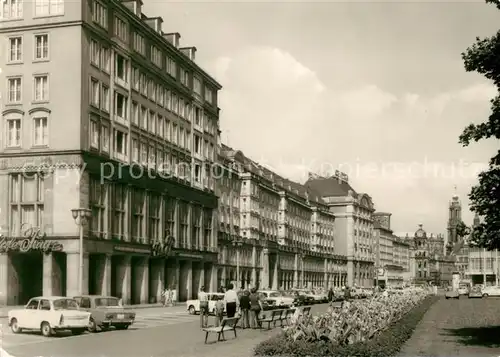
(420, 233)
(455, 197)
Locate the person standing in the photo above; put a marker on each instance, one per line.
(232, 301)
(245, 309)
(255, 309)
(203, 298)
(330, 295)
(219, 311)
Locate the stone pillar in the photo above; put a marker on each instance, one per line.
(48, 266)
(104, 275)
(213, 278)
(202, 277)
(8, 292)
(265, 270)
(72, 268)
(157, 279)
(296, 271)
(275, 273)
(124, 279)
(189, 280)
(350, 273)
(141, 291)
(253, 277)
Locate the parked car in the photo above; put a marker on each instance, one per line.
(49, 315)
(106, 312)
(280, 299)
(491, 291)
(451, 294)
(304, 296)
(193, 306)
(368, 292)
(475, 292)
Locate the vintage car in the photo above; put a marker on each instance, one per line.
(49, 315)
(475, 292)
(303, 296)
(106, 312)
(280, 299)
(193, 306)
(452, 294)
(491, 291)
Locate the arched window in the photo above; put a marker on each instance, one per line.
(39, 126)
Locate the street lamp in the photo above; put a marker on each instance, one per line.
(81, 217)
(238, 242)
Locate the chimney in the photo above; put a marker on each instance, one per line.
(173, 38)
(133, 5)
(154, 23)
(189, 52)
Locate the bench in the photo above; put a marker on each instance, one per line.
(272, 319)
(228, 324)
(306, 310)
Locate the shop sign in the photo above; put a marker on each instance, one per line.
(126, 249)
(32, 239)
(192, 256)
(162, 247)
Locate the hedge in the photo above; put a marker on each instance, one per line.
(387, 343)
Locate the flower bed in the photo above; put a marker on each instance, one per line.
(354, 329)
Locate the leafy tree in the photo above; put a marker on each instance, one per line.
(462, 230)
(484, 57)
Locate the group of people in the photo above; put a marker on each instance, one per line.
(247, 305)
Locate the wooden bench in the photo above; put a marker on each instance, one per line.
(228, 324)
(275, 317)
(306, 310)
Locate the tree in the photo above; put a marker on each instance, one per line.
(484, 57)
(462, 230)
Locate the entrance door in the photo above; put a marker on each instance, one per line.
(28, 268)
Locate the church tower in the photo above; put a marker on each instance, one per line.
(455, 217)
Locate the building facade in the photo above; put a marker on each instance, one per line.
(272, 233)
(392, 255)
(120, 120)
(353, 224)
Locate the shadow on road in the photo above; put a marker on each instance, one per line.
(486, 336)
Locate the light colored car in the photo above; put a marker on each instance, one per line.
(193, 306)
(452, 294)
(106, 312)
(491, 291)
(280, 299)
(475, 292)
(49, 315)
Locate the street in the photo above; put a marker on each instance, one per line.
(157, 332)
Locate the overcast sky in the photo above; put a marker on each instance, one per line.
(378, 89)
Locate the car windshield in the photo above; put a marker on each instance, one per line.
(107, 302)
(276, 294)
(65, 304)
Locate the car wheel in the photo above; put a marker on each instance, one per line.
(485, 295)
(14, 326)
(92, 325)
(46, 329)
(191, 310)
(122, 327)
(78, 331)
(447, 297)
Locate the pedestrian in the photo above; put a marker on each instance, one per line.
(255, 308)
(203, 298)
(330, 295)
(164, 297)
(347, 293)
(231, 299)
(219, 311)
(245, 309)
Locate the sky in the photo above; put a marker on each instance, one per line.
(375, 89)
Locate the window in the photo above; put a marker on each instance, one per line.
(120, 143)
(105, 138)
(94, 133)
(15, 89)
(135, 150)
(207, 227)
(13, 132)
(120, 105)
(41, 47)
(94, 52)
(144, 117)
(118, 206)
(121, 67)
(136, 78)
(33, 304)
(139, 44)
(156, 56)
(171, 67)
(159, 126)
(12, 9)
(195, 226)
(15, 49)
(97, 202)
(44, 305)
(41, 131)
(184, 77)
(174, 134)
(175, 104)
(105, 98)
(41, 91)
(168, 100)
(169, 215)
(49, 7)
(27, 192)
(144, 153)
(209, 95)
(100, 14)
(197, 144)
(105, 59)
(121, 29)
(94, 92)
(137, 224)
(168, 133)
(135, 113)
(151, 156)
(154, 217)
(152, 122)
(197, 173)
(197, 116)
(144, 84)
(197, 85)
(184, 224)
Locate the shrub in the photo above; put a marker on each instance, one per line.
(387, 342)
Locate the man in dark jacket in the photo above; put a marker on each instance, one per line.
(245, 309)
(330, 295)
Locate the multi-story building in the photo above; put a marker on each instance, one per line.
(353, 223)
(392, 255)
(277, 235)
(119, 120)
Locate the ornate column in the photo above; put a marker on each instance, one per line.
(265, 266)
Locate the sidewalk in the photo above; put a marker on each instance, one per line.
(4, 310)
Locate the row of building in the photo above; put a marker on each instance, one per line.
(103, 110)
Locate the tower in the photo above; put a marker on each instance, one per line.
(455, 217)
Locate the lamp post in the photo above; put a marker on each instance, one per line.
(302, 258)
(238, 242)
(81, 217)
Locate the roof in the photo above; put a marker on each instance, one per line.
(329, 186)
(97, 296)
(51, 298)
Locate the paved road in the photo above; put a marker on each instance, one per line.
(464, 327)
(157, 332)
